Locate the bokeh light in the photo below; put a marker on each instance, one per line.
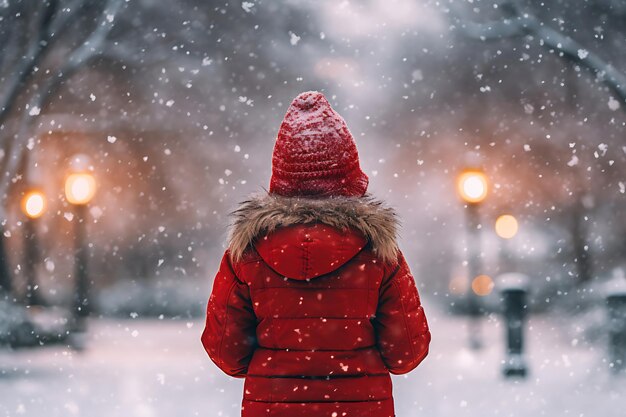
(80, 188)
(482, 285)
(472, 186)
(34, 204)
(506, 226)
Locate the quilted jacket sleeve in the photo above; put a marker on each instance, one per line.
(401, 327)
(229, 336)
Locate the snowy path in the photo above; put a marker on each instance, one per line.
(563, 380)
(141, 368)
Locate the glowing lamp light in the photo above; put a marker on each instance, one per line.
(34, 204)
(482, 285)
(80, 188)
(506, 226)
(472, 186)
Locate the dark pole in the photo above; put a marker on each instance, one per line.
(582, 256)
(474, 269)
(6, 283)
(82, 306)
(616, 305)
(514, 310)
(506, 261)
(31, 259)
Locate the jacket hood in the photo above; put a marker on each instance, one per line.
(302, 238)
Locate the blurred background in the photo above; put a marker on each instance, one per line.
(129, 129)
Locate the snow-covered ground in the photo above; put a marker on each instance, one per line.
(157, 368)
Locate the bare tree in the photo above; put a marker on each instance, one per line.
(517, 23)
(134, 44)
(31, 76)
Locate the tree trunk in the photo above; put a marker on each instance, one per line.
(6, 280)
(579, 242)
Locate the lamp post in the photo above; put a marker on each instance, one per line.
(33, 206)
(472, 187)
(514, 290)
(506, 227)
(616, 305)
(80, 187)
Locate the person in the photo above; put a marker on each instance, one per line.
(314, 303)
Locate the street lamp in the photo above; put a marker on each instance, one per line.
(80, 188)
(33, 206)
(506, 227)
(482, 285)
(473, 187)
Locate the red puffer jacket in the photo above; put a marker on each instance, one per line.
(314, 305)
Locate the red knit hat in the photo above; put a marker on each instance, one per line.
(315, 153)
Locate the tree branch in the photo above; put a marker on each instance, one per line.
(63, 17)
(94, 43)
(520, 24)
(31, 58)
(89, 49)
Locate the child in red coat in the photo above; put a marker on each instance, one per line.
(314, 303)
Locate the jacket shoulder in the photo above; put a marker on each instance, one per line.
(248, 255)
(262, 214)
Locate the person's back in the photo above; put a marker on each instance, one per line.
(313, 303)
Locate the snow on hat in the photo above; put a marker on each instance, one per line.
(315, 153)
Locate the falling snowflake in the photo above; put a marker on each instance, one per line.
(293, 38)
(161, 379)
(529, 108)
(49, 263)
(583, 53)
(246, 100)
(613, 104)
(247, 6)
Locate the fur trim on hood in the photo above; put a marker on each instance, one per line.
(262, 214)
